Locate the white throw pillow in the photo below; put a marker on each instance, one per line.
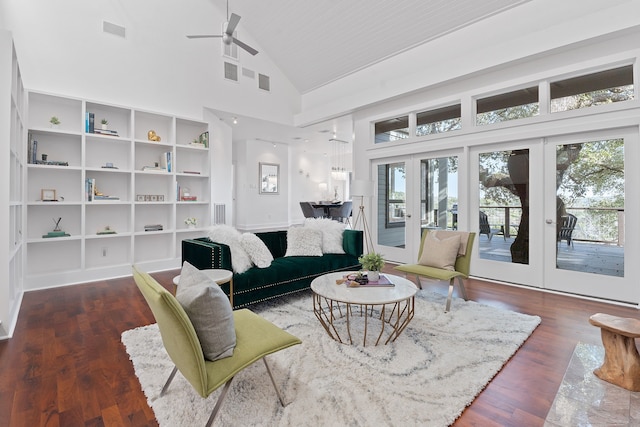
(256, 249)
(332, 232)
(440, 253)
(303, 241)
(209, 310)
(228, 235)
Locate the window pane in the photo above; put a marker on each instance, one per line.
(508, 106)
(391, 208)
(392, 129)
(590, 207)
(437, 121)
(396, 194)
(504, 206)
(439, 193)
(605, 87)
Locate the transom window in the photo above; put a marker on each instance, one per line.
(392, 129)
(439, 120)
(514, 105)
(604, 87)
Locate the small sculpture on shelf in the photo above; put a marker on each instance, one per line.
(152, 136)
(57, 232)
(106, 230)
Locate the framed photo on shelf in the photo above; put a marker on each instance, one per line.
(48, 195)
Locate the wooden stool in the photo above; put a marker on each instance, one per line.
(621, 364)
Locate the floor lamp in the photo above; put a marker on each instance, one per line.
(362, 188)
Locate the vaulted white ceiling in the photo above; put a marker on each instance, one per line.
(315, 42)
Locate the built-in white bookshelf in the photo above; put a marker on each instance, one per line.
(12, 131)
(136, 183)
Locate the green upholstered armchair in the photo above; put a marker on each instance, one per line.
(461, 269)
(255, 338)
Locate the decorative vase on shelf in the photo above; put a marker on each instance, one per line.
(191, 226)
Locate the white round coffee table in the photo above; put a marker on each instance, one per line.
(391, 306)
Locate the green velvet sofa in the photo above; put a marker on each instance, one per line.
(286, 275)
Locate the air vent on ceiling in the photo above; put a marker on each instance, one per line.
(230, 71)
(111, 28)
(264, 82)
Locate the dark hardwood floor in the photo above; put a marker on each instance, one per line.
(66, 366)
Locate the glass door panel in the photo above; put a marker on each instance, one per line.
(503, 217)
(590, 207)
(439, 193)
(392, 204)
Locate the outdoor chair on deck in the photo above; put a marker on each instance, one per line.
(310, 212)
(255, 338)
(485, 228)
(444, 255)
(569, 222)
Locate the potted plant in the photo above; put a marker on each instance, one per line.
(191, 222)
(104, 123)
(373, 263)
(55, 122)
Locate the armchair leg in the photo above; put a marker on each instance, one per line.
(273, 381)
(216, 408)
(418, 280)
(463, 293)
(166, 385)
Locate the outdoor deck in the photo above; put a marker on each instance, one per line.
(599, 258)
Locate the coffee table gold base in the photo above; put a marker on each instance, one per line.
(396, 316)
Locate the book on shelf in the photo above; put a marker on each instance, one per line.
(165, 161)
(192, 172)
(197, 145)
(189, 198)
(153, 169)
(51, 163)
(89, 122)
(89, 189)
(106, 132)
(103, 197)
(153, 227)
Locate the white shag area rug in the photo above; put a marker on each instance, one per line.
(427, 377)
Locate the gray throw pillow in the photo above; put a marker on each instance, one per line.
(209, 311)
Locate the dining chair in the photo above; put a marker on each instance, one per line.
(310, 212)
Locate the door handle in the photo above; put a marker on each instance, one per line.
(549, 221)
(408, 215)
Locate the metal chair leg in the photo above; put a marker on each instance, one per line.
(273, 381)
(463, 290)
(166, 385)
(449, 296)
(216, 408)
(418, 280)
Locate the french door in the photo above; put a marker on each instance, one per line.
(590, 210)
(414, 193)
(552, 213)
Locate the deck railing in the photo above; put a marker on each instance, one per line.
(596, 225)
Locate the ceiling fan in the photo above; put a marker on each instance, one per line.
(227, 36)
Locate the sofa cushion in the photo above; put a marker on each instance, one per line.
(332, 232)
(228, 235)
(209, 311)
(257, 250)
(303, 241)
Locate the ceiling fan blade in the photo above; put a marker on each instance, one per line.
(246, 47)
(232, 24)
(203, 36)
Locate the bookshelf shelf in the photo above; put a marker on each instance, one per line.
(120, 167)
